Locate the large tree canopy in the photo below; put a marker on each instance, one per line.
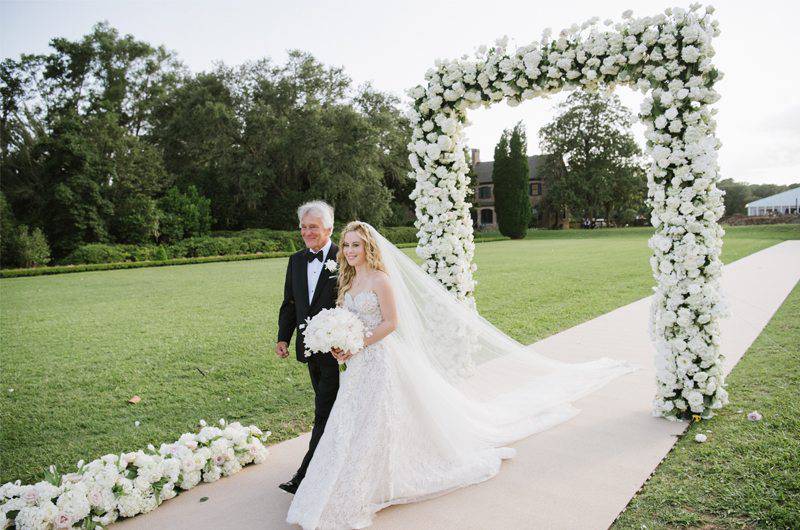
(94, 133)
(604, 175)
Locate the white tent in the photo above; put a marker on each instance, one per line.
(781, 203)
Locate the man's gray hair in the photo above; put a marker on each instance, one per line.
(320, 209)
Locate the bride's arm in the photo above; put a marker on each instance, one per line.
(383, 289)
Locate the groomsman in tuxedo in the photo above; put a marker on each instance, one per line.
(311, 287)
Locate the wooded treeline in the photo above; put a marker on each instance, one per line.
(110, 139)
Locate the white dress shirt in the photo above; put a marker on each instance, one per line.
(314, 270)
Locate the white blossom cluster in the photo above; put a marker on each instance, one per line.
(668, 57)
(333, 328)
(127, 484)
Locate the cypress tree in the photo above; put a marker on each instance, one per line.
(511, 203)
(499, 172)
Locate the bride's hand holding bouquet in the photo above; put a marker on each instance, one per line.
(336, 330)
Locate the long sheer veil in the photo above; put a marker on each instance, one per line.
(478, 386)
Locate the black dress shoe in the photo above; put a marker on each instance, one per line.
(291, 485)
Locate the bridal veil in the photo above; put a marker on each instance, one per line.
(478, 386)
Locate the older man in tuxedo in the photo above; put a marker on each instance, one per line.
(311, 287)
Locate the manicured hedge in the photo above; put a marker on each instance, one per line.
(193, 247)
(744, 220)
(220, 246)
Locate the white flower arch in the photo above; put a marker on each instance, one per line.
(669, 58)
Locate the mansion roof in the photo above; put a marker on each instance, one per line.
(484, 169)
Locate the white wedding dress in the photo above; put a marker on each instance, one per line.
(430, 407)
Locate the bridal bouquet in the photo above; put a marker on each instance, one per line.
(333, 328)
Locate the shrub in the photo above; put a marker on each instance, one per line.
(136, 220)
(30, 247)
(400, 234)
(96, 253)
(222, 243)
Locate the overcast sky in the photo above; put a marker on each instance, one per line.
(392, 44)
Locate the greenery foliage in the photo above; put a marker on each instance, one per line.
(510, 178)
(602, 175)
(111, 140)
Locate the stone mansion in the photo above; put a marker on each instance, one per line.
(484, 214)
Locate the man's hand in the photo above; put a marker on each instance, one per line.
(282, 349)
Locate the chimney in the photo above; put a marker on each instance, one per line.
(476, 157)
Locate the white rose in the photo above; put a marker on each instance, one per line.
(433, 151)
(690, 54)
(675, 126)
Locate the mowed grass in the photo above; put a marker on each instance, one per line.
(196, 341)
(534, 288)
(747, 474)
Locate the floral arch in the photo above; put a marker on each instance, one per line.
(669, 58)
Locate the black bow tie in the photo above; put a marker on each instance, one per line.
(311, 256)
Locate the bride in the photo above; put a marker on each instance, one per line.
(430, 402)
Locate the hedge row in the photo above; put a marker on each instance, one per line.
(59, 269)
(193, 247)
(250, 241)
(745, 220)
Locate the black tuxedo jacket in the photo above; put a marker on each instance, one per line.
(295, 307)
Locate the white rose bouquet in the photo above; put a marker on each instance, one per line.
(333, 328)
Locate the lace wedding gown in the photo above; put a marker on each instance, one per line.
(379, 448)
(430, 407)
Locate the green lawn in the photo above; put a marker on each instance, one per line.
(195, 341)
(747, 474)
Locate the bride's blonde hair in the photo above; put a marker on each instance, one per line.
(372, 253)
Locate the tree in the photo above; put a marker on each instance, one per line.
(94, 133)
(104, 181)
(72, 122)
(184, 215)
(392, 131)
(520, 171)
(501, 163)
(560, 194)
(737, 195)
(8, 228)
(260, 139)
(511, 202)
(136, 220)
(604, 176)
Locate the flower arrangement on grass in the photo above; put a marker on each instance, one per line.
(128, 484)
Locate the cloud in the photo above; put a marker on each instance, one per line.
(785, 120)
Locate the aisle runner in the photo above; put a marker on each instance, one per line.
(580, 474)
